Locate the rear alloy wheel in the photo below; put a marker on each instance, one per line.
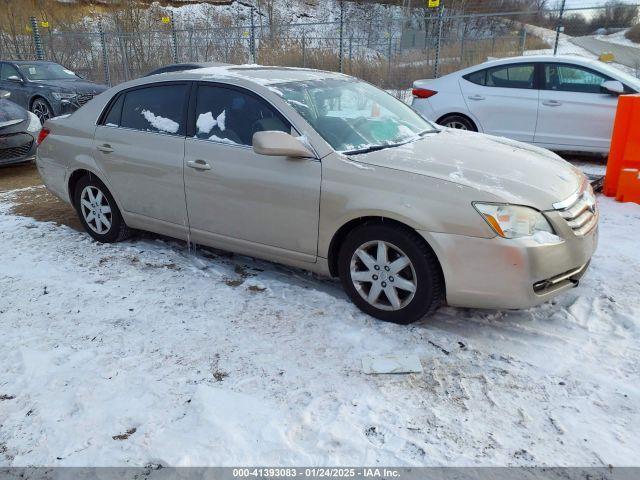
(98, 211)
(390, 273)
(41, 109)
(458, 122)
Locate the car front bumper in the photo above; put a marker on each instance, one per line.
(501, 273)
(16, 148)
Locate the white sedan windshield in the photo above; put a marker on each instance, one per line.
(354, 116)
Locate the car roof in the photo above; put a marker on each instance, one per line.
(29, 62)
(572, 59)
(540, 58)
(262, 75)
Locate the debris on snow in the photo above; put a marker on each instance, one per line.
(391, 364)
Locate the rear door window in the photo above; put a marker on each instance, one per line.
(158, 109)
(112, 119)
(521, 75)
(232, 116)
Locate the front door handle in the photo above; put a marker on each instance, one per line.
(199, 165)
(476, 97)
(552, 103)
(105, 148)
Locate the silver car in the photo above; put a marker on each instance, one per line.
(324, 172)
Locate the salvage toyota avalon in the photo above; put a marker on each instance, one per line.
(324, 172)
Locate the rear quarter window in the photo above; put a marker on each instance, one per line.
(479, 78)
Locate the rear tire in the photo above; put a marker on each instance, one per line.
(98, 211)
(458, 122)
(390, 273)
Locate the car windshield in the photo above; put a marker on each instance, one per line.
(46, 71)
(9, 111)
(354, 116)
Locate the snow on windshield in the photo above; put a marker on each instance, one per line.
(160, 123)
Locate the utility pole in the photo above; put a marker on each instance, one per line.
(37, 39)
(559, 28)
(436, 66)
(341, 31)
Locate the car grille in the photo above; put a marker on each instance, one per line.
(580, 211)
(84, 98)
(15, 152)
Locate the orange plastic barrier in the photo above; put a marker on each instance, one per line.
(624, 156)
(629, 186)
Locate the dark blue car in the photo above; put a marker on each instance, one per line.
(46, 88)
(19, 131)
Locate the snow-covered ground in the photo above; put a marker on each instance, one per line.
(148, 352)
(565, 46)
(619, 38)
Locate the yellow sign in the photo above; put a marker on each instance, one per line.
(434, 3)
(28, 29)
(607, 57)
(44, 24)
(166, 19)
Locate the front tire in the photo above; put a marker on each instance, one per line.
(41, 109)
(98, 211)
(390, 273)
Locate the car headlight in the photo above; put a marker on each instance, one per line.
(64, 96)
(34, 124)
(513, 221)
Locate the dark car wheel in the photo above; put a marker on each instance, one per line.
(458, 122)
(41, 108)
(390, 273)
(98, 211)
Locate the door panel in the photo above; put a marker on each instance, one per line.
(504, 100)
(236, 195)
(272, 201)
(574, 112)
(145, 170)
(140, 147)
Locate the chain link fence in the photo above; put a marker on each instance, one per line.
(390, 52)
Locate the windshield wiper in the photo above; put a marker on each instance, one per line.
(372, 148)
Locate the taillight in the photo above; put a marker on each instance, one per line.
(42, 135)
(423, 92)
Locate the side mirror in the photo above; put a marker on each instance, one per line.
(14, 78)
(613, 86)
(279, 144)
(4, 94)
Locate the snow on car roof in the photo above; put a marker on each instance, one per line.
(265, 75)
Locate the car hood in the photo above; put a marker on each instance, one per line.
(78, 86)
(513, 172)
(11, 114)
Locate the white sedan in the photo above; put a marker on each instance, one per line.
(563, 103)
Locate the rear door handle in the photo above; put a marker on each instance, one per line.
(552, 103)
(105, 148)
(476, 97)
(199, 165)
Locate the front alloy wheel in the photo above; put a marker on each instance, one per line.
(390, 272)
(383, 275)
(42, 110)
